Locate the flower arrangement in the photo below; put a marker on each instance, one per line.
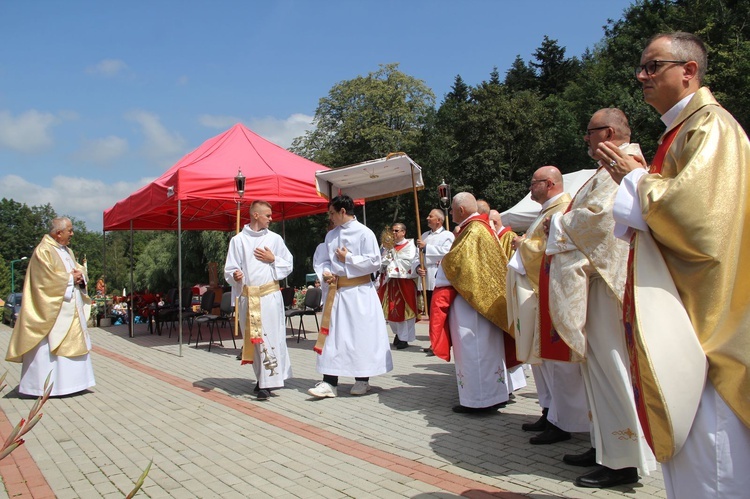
(299, 298)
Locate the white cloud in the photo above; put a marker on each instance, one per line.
(159, 143)
(83, 199)
(107, 67)
(279, 131)
(28, 132)
(102, 151)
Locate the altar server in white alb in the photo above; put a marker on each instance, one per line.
(256, 261)
(51, 334)
(353, 339)
(435, 243)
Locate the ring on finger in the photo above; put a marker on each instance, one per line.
(612, 163)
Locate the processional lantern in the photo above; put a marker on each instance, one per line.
(444, 196)
(239, 183)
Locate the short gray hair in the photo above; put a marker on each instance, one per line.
(687, 47)
(58, 224)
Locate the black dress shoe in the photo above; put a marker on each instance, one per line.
(429, 352)
(604, 477)
(401, 345)
(462, 409)
(588, 458)
(263, 394)
(551, 435)
(539, 425)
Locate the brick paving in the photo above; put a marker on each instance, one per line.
(195, 415)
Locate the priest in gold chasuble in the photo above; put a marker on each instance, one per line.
(586, 286)
(51, 333)
(695, 203)
(471, 320)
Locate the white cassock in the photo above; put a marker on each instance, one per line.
(437, 244)
(401, 264)
(69, 374)
(256, 273)
(357, 343)
(478, 353)
(715, 459)
(319, 256)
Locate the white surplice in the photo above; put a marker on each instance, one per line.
(256, 273)
(437, 244)
(357, 343)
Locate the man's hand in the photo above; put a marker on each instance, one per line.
(421, 244)
(328, 278)
(516, 242)
(77, 277)
(238, 275)
(616, 162)
(264, 255)
(421, 271)
(341, 254)
(545, 225)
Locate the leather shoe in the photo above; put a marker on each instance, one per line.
(604, 477)
(551, 435)
(462, 409)
(588, 458)
(539, 425)
(263, 394)
(401, 345)
(429, 352)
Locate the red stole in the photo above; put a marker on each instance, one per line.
(628, 305)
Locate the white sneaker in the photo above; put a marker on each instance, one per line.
(323, 390)
(360, 388)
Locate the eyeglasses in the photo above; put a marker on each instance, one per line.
(651, 66)
(397, 230)
(533, 182)
(589, 130)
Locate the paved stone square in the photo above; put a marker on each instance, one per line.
(195, 415)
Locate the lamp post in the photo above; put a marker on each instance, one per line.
(444, 196)
(13, 273)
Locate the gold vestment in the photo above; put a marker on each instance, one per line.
(698, 210)
(43, 293)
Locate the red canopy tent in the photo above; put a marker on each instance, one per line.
(201, 184)
(199, 193)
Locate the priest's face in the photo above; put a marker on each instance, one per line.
(666, 86)
(63, 236)
(399, 233)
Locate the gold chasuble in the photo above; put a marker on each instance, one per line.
(532, 248)
(698, 210)
(590, 226)
(43, 292)
(476, 267)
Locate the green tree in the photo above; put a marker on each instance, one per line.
(521, 76)
(554, 70)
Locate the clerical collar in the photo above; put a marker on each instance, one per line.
(550, 200)
(669, 117)
(469, 218)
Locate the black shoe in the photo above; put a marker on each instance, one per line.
(239, 356)
(462, 409)
(263, 394)
(395, 340)
(551, 435)
(539, 425)
(604, 477)
(256, 389)
(429, 352)
(588, 458)
(401, 345)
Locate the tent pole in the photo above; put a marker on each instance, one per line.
(131, 331)
(425, 305)
(179, 268)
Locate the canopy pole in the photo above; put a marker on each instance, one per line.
(131, 329)
(425, 305)
(179, 270)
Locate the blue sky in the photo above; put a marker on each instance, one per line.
(97, 98)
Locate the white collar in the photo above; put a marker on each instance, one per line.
(669, 117)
